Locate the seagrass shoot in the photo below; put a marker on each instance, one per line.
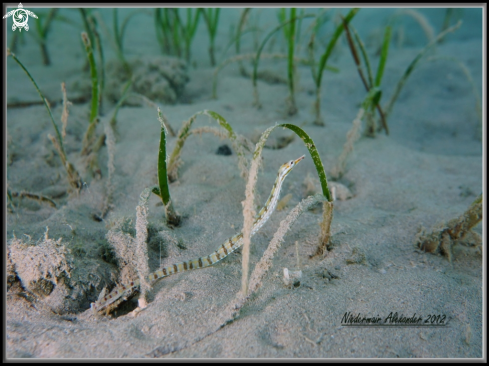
(317, 70)
(370, 84)
(43, 28)
(119, 33)
(168, 166)
(290, 34)
(57, 140)
(211, 17)
(175, 35)
(290, 55)
(90, 23)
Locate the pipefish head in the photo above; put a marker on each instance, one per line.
(288, 166)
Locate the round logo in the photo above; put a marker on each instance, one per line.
(20, 18)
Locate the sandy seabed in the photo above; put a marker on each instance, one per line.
(426, 172)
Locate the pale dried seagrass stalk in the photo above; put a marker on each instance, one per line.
(351, 137)
(141, 238)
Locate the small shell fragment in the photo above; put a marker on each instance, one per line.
(292, 278)
(342, 193)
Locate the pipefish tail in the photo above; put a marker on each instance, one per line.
(123, 291)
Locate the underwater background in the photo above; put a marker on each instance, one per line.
(392, 99)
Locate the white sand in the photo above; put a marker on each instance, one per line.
(427, 171)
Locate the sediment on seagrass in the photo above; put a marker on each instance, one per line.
(141, 239)
(248, 214)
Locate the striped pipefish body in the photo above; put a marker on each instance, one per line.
(226, 248)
